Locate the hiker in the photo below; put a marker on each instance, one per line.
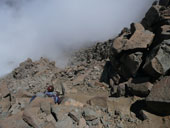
(49, 93)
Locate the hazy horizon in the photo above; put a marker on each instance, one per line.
(53, 28)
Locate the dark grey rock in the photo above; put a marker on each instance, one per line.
(157, 63)
(158, 100)
(152, 16)
(164, 2)
(140, 89)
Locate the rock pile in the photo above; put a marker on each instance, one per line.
(141, 55)
(121, 83)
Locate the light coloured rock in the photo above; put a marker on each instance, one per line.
(31, 116)
(20, 104)
(14, 121)
(5, 106)
(21, 93)
(165, 32)
(121, 90)
(39, 100)
(4, 90)
(90, 114)
(46, 107)
(65, 123)
(98, 101)
(82, 123)
(72, 102)
(50, 125)
(75, 116)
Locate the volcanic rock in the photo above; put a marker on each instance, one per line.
(140, 38)
(140, 89)
(130, 64)
(127, 51)
(152, 16)
(157, 62)
(158, 100)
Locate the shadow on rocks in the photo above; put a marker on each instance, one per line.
(137, 108)
(140, 106)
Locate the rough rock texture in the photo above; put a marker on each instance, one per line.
(158, 62)
(127, 50)
(152, 16)
(138, 38)
(120, 83)
(159, 98)
(140, 89)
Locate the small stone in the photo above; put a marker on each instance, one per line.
(89, 114)
(82, 123)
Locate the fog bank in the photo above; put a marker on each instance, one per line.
(53, 28)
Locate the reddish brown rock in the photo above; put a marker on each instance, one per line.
(140, 38)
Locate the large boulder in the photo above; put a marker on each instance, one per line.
(127, 50)
(14, 121)
(130, 63)
(152, 16)
(158, 100)
(140, 89)
(157, 62)
(35, 117)
(139, 39)
(30, 116)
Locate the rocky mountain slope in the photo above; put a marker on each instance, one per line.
(121, 83)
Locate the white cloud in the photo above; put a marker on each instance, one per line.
(35, 28)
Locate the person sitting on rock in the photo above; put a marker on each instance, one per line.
(49, 93)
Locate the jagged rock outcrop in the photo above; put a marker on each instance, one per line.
(127, 50)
